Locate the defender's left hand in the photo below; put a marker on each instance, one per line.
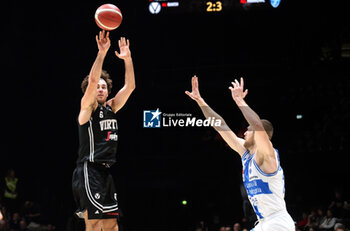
(237, 90)
(124, 49)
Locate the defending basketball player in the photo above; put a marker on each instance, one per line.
(262, 174)
(92, 183)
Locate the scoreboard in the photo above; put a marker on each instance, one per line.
(207, 6)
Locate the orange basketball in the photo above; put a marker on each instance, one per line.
(108, 17)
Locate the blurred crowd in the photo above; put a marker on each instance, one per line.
(16, 212)
(334, 217)
(20, 214)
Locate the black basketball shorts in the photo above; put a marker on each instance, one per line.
(94, 191)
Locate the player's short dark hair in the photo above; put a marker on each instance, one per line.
(104, 75)
(268, 127)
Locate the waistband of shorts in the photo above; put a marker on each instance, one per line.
(273, 215)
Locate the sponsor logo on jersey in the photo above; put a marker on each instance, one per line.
(256, 187)
(108, 124)
(111, 136)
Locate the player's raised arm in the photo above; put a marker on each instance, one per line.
(89, 102)
(265, 155)
(129, 85)
(226, 133)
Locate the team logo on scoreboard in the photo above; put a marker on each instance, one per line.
(275, 3)
(154, 7)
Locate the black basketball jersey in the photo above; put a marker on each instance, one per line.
(98, 138)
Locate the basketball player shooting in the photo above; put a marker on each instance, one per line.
(263, 176)
(92, 183)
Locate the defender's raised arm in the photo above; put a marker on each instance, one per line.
(226, 133)
(265, 154)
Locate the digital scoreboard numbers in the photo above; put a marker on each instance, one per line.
(214, 6)
(206, 6)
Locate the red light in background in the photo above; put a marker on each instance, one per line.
(243, 1)
(164, 4)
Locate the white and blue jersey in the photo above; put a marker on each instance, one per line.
(266, 194)
(265, 191)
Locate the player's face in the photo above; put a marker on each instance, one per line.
(102, 91)
(249, 133)
(249, 136)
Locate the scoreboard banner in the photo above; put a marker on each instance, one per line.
(208, 6)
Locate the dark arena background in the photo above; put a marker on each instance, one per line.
(295, 60)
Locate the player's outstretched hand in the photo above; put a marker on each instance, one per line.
(103, 42)
(237, 90)
(124, 45)
(195, 95)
